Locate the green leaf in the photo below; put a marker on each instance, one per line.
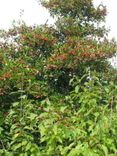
(15, 136)
(55, 129)
(23, 97)
(105, 149)
(24, 143)
(28, 146)
(76, 89)
(32, 116)
(16, 146)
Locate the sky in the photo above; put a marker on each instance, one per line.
(111, 17)
(29, 10)
(33, 13)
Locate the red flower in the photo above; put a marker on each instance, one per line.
(72, 53)
(62, 57)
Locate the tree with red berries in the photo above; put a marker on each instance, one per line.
(82, 37)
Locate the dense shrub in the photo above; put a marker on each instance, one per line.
(85, 121)
(58, 92)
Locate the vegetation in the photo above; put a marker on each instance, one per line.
(58, 92)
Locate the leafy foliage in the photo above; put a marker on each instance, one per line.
(83, 121)
(57, 88)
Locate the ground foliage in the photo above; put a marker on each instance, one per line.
(58, 92)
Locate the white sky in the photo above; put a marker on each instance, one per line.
(35, 14)
(11, 10)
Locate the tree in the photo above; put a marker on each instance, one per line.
(56, 54)
(82, 38)
(77, 18)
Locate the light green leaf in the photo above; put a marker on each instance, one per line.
(76, 89)
(32, 116)
(105, 150)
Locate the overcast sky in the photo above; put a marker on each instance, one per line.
(35, 14)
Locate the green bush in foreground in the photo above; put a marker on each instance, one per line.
(83, 122)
